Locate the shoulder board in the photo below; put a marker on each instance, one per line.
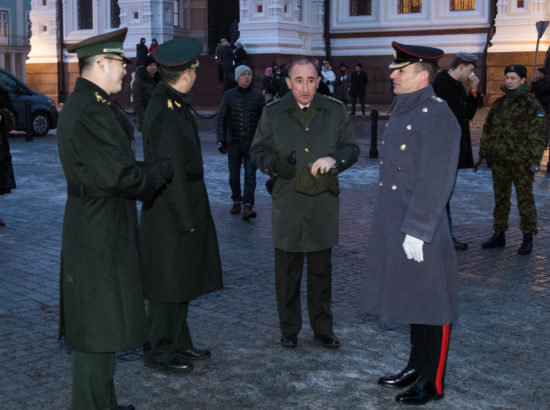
(328, 97)
(273, 102)
(541, 114)
(438, 99)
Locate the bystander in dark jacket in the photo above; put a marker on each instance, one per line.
(238, 116)
(143, 86)
(7, 123)
(358, 87)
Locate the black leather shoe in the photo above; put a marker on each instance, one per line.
(404, 378)
(289, 339)
(195, 354)
(125, 407)
(175, 365)
(329, 340)
(461, 246)
(420, 392)
(498, 240)
(526, 245)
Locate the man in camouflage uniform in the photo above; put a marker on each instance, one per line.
(513, 142)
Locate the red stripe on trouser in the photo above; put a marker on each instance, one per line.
(446, 329)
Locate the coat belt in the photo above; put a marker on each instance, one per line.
(83, 191)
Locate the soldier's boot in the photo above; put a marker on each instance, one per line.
(498, 240)
(526, 245)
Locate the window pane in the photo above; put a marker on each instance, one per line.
(520, 4)
(462, 5)
(409, 6)
(115, 14)
(360, 8)
(176, 13)
(85, 14)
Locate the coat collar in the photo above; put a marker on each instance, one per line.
(319, 102)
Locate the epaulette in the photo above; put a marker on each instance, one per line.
(541, 114)
(273, 102)
(438, 99)
(328, 97)
(100, 99)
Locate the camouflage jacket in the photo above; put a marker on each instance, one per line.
(514, 130)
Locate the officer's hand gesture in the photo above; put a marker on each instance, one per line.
(413, 248)
(322, 165)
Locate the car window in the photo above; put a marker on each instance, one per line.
(8, 83)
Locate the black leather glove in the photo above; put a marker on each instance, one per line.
(284, 167)
(222, 147)
(165, 169)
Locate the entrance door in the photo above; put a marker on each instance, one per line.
(223, 20)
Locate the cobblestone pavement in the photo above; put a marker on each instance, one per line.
(499, 348)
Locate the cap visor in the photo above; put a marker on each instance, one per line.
(395, 65)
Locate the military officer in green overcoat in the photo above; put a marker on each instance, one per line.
(303, 141)
(179, 245)
(102, 309)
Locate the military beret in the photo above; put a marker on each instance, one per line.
(467, 58)
(519, 69)
(404, 55)
(108, 43)
(179, 53)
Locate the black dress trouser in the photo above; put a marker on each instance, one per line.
(430, 345)
(288, 280)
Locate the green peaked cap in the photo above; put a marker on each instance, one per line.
(108, 43)
(179, 53)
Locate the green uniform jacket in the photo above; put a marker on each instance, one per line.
(514, 129)
(303, 223)
(178, 265)
(102, 307)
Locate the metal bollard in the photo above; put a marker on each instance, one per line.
(373, 153)
(28, 121)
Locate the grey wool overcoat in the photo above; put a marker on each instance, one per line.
(179, 265)
(419, 154)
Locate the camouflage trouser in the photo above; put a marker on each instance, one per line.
(504, 175)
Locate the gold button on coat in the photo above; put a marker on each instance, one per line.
(394, 187)
(403, 147)
(409, 127)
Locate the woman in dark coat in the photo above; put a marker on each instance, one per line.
(146, 80)
(7, 123)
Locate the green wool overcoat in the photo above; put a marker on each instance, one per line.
(301, 222)
(102, 307)
(179, 265)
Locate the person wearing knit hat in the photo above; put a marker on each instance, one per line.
(146, 79)
(102, 308)
(513, 142)
(241, 69)
(238, 116)
(178, 240)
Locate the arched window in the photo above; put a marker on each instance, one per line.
(85, 15)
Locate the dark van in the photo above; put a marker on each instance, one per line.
(43, 111)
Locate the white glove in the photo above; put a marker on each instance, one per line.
(413, 248)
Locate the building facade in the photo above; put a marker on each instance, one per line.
(344, 31)
(14, 35)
